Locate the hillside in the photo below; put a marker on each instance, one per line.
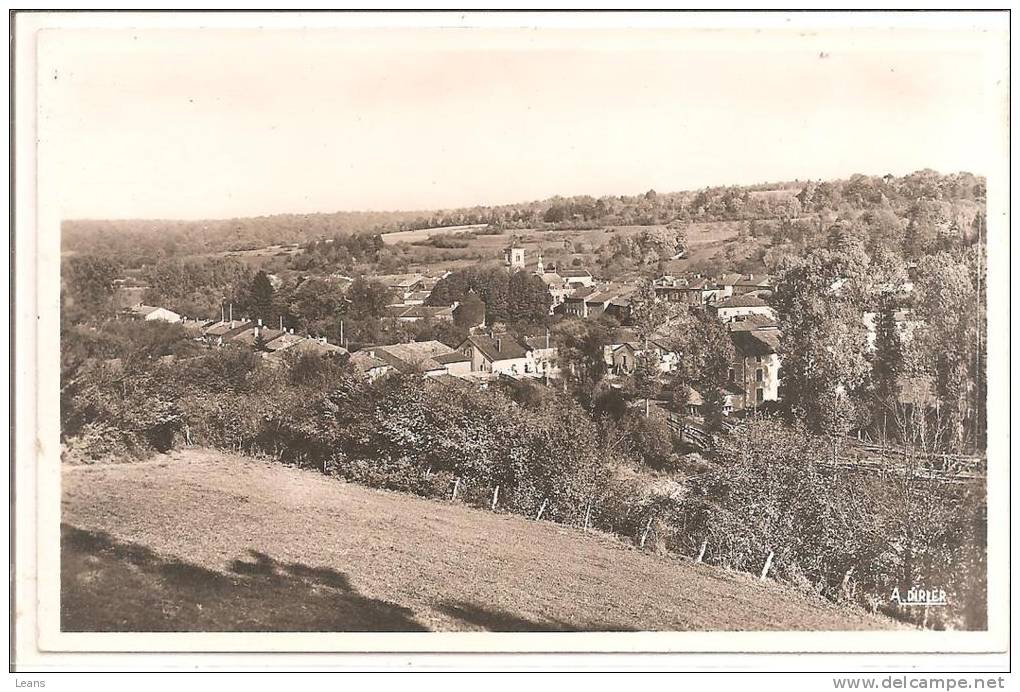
(200, 540)
(135, 242)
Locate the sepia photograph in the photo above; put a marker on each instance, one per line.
(418, 332)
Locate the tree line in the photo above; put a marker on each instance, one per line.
(144, 242)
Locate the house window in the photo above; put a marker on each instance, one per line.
(733, 375)
(758, 359)
(759, 375)
(760, 395)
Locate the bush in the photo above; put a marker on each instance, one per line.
(649, 439)
(768, 492)
(99, 441)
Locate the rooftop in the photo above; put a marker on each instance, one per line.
(398, 280)
(317, 346)
(498, 347)
(412, 357)
(248, 335)
(744, 301)
(284, 341)
(756, 343)
(574, 273)
(363, 361)
(748, 323)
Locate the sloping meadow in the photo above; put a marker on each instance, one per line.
(760, 504)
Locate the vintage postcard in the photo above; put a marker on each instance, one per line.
(665, 332)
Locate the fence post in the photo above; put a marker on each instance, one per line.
(644, 534)
(846, 580)
(456, 485)
(541, 509)
(765, 569)
(701, 553)
(495, 498)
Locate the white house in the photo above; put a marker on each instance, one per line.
(544, 352)
(150, 313)
(740, 306)
(499, 354)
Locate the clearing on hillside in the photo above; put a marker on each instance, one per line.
(204, 541)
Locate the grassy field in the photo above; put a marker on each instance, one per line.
(707, 242)
(426, 233)
(204, 541)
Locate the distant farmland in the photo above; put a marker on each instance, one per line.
(426, 233)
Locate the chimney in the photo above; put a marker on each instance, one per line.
(281, 323)
(260, 322)
(499, 344)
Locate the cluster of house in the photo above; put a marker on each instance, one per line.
(410, 292)
(737, 300)
(479, 358)
(753, 374)
(272, 342)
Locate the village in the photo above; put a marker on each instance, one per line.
(738, 301)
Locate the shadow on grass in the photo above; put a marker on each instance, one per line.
(114, 586)
(500, 621)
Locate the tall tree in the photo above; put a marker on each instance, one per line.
(649, 314)
(581, 353)
(647, 376)
(887, 362)
(367, 299)
(949, 347)
(820, 301)
(88, 286)
(528, 298)
(262, 296)
(470, 312)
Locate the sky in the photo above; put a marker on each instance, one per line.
(215, 123)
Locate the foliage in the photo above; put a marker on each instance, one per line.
(345, 239)
(949, 346)
(87, 287)
(580, 354)
(470, 312)
(834, 532)
(368, 299)
(528, 298)
(508, 297)
(820, 300)
(199, 288)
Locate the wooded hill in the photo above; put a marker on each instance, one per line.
(140, 241)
